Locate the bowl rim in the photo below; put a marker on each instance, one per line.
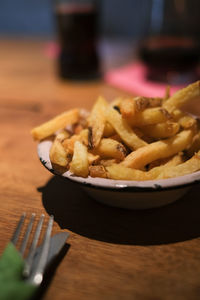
(117, 185)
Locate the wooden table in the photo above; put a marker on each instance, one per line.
(112, 253)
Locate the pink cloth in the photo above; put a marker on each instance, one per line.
(132, 78)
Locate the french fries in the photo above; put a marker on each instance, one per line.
(96, 121)
(80, 164)
(119, 172)
(129, 107)
(61, 121)
(149, 116)
(97, 171)
(157, 150)
(185, 120)
(124, 130)
(109, 148)
(161, 130)
(58, 155)
(108, 130)
(190, 166)
(136, 138)
(182, 96)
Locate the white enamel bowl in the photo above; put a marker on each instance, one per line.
(126, 194)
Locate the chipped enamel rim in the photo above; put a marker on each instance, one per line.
(120, 185)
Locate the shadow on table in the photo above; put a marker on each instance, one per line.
(73, 209)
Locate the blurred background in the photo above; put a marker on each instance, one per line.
(34, 17)
(162, 35)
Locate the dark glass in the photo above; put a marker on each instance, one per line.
(170, 59)
(171, 50)
(77, 26)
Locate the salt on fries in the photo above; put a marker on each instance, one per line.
(136, 138)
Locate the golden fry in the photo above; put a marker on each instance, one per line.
(157, 150)
(127, 108)
(57, 154)
(108, 130)
(97, 120)
(68, 144)
(97, 171)
(107, 162)
(124, 130)
(168, 161)
(161, 130)
(131, 106)
(120, 172)
(185, 120)
(80, 165)
(190, 166)
(61, 121)
(143, 102)
(62, 135)
(182, 96)
(109, 148)
(93, 159)
(149, 116)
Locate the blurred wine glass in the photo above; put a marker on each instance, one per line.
(171, 50)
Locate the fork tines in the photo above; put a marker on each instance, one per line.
(36, 278)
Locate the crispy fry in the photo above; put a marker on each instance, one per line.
(143, 102)
(190, 166)
(127, 108)
(149, 116)
(130, 106)
(168, 161)
(109, 148)
(119, 172)
(93, 159)
(61, 121)
(97, 171)
(68, 144)
(80, 165)
(160, 149)
(108, 130)
(182, 96)
(62, 135)
(97, 120)
(185, 120)
(57, 154)
(123, 129)
(108, 162)
(161, 130)
(154, 102)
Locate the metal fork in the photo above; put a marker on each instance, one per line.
(33, 276)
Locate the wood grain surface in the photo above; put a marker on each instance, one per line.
(111, 253)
